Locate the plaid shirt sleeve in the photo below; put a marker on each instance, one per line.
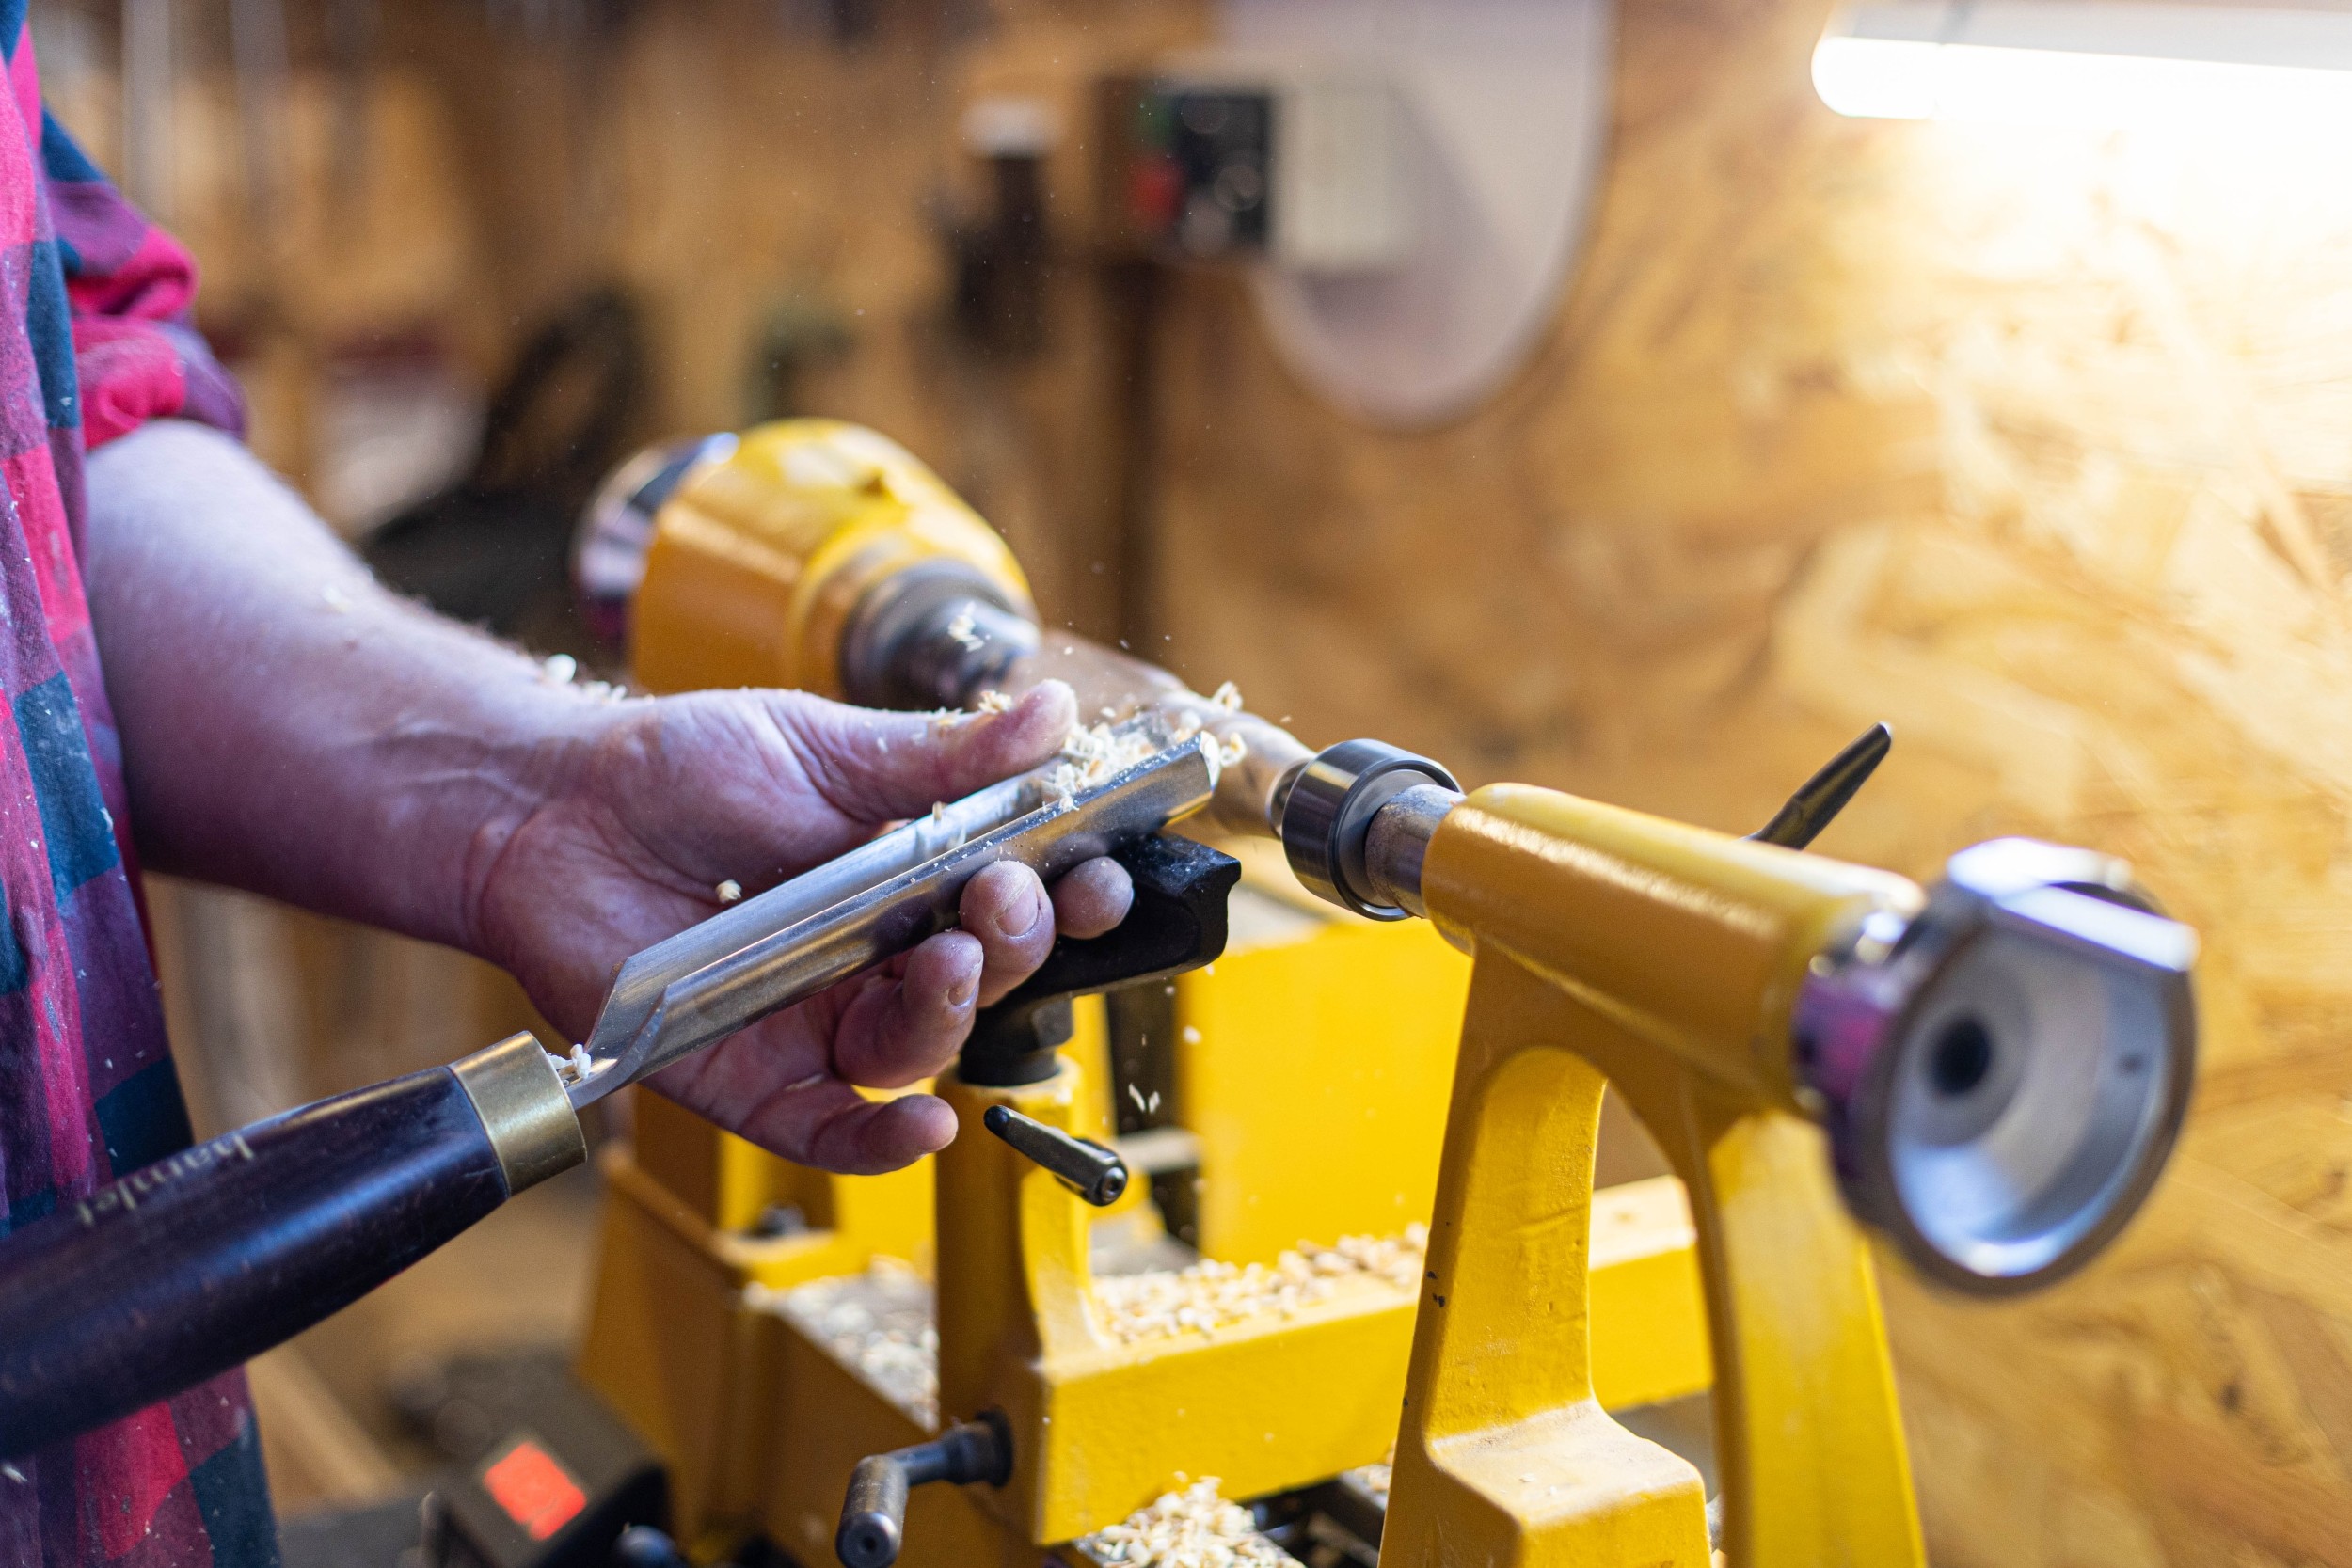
(131, 290)
(95, 338)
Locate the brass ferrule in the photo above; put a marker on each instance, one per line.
(523, 1107)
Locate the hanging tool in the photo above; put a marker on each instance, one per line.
(172, 1274)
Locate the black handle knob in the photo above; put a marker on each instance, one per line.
(1094, 1173)
(874, 1515)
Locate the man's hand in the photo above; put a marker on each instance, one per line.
(640, 824)
(291, 728)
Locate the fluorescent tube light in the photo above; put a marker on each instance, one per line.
(2098, 63)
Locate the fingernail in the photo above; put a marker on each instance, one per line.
(1036, 902)
(962, 991)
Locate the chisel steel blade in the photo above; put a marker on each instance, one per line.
(781, 964)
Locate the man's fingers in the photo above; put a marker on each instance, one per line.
(1093, 898)
(907, 1024)
(875, 765)
(1005, 907)
(828, 1124)
(897, 1030)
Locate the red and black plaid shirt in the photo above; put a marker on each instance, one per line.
(94, 339)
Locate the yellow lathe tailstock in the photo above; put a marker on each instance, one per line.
(1617, 948)
(2002, 1064)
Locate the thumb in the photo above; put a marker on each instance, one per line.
(874, 766)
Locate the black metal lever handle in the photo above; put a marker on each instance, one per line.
(1094, 1173)
(1800, 821)
(874, 1515)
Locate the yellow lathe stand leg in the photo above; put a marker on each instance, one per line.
(1617, 947)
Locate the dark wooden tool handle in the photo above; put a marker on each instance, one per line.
(195, 1264)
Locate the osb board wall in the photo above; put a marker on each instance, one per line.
(2039, 445)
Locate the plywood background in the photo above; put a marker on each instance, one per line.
(2037, 445)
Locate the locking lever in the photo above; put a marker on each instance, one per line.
(1800, 821)
(1094, 1173)
(874, 1515)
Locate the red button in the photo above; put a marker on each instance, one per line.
(537, 1491)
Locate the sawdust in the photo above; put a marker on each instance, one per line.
(1191, 1528)
(878, 1323)
(881, 1324)
(995, 701)
(1211, 1295)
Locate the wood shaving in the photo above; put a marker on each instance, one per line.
(961, 630)
(1211, 1295)
(1194, 1528)
(879, 1324)
(578, 1067)
(995, 701)
(729, 891)
(1096, 753)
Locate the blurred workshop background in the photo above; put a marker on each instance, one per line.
(2034, 440)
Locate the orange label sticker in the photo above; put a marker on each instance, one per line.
(534, 1489)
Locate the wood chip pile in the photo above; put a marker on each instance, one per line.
(1192, 1528)
(880, 1324)
(1211, 1295)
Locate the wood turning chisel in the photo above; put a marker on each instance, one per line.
(172, 1274)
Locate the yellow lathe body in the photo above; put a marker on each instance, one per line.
(760, 559)
(1697, 974)
(1313, 1055)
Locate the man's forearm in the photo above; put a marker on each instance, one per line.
(289, 726)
